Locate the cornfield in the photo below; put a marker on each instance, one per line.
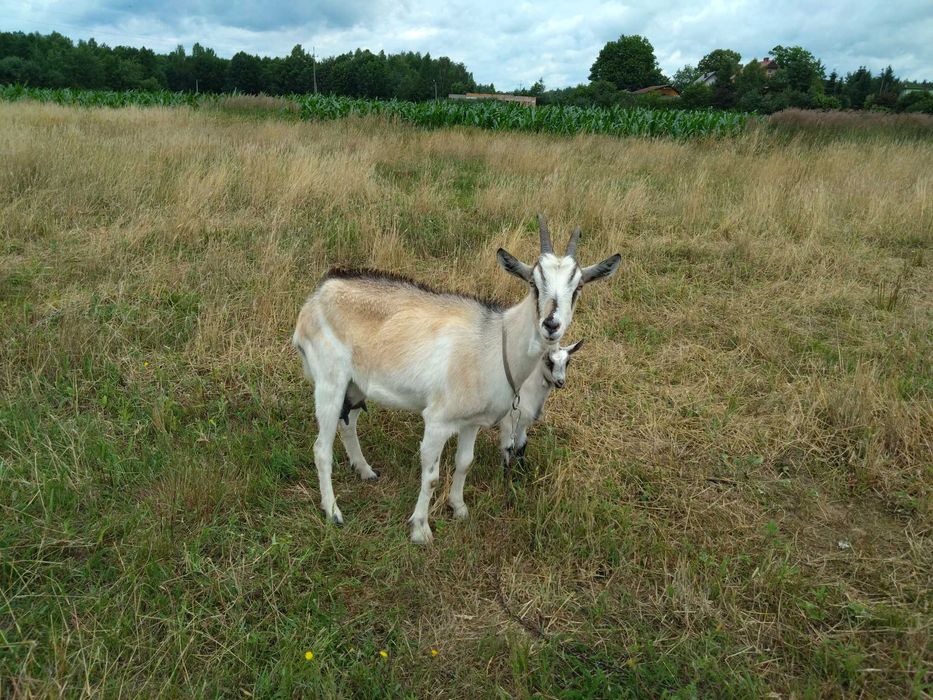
(500, 116)
(100, 98)
(495, 116)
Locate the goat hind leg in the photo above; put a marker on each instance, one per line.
(328, 399)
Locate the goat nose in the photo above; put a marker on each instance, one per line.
(551, 324)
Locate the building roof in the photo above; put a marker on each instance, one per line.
(527, 100)
(654, 88)
(707, 78)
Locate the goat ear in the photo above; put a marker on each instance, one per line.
(603, 270)
(513, 265)
(576, 346)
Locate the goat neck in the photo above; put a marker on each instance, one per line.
(535, 391)
(524, 345)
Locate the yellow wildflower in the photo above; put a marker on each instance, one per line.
(434, 652)
(309, 655)
(383, 653)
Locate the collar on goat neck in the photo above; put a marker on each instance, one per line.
(522, 347)
(505, 365)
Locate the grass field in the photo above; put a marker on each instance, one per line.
(730, 498)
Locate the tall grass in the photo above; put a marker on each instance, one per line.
(810, 123)
(730, 498)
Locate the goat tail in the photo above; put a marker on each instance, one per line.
(306, 365)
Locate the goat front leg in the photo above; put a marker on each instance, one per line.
(511, 456)
(505, 436)
(465, 442)
(432, 445)
(518, 453)
(351, 444)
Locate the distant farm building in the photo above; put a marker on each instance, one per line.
(660, 90)
(769, 66)
(520, 99)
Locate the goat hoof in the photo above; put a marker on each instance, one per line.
(336, 517)
(421, 533)
(365, 472)
(461, 512)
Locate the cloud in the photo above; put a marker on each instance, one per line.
(508, 43)
(271, 15)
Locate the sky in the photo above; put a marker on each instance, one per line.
(509, 44)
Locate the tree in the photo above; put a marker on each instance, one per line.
(178, 73)
(725, 64)
(296, 72)
(831, 87)
(750, 84)
(798, 70)
(885, 89)
(629, 63)
(54, 60)
(89, 69)
(122, 74)
(685, 77)
(858, 87)
(599, 93)
(244, 74)
(209, 70)
(14, 69)
(536, 90)
(916, 101)
(723, 61)
(369, 73)
(696, 95)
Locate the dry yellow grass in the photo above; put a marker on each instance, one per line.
(738, 475)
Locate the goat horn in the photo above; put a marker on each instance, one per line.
(546, 246)
(572, 244)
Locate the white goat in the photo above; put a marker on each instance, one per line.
(549, 374)
(458, 360)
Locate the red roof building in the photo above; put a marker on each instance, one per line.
(769, 66)
(662, 90)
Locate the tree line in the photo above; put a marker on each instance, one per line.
(56, 61)
(720, 80)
